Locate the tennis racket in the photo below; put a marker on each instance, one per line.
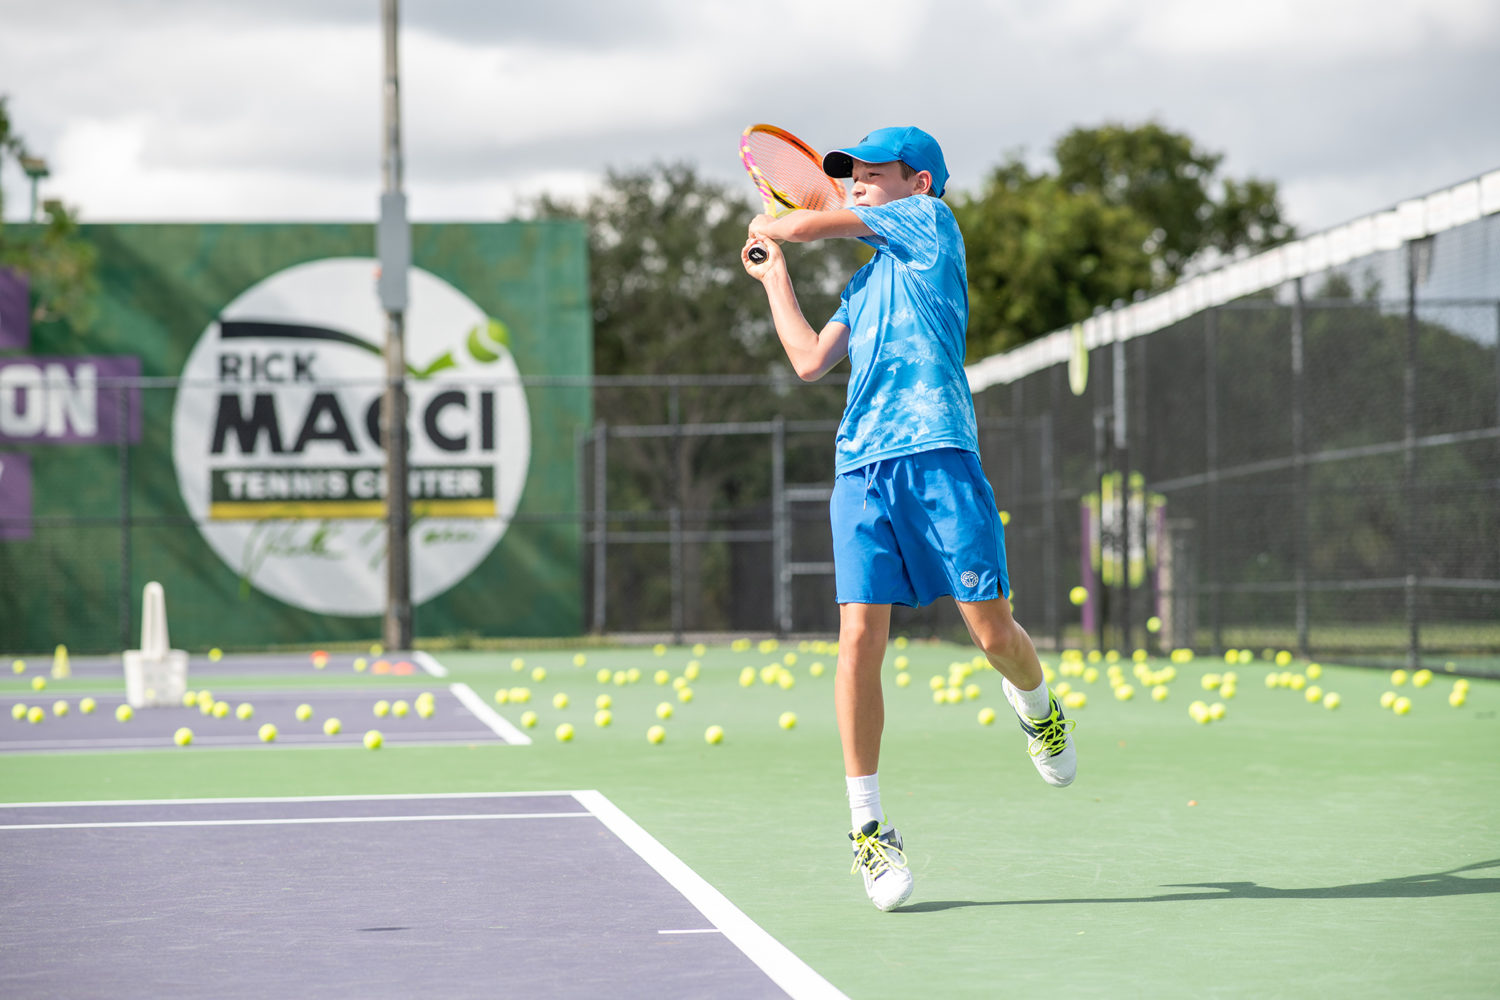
(788, 173)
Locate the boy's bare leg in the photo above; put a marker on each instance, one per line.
(857, 696)
(1004, 642)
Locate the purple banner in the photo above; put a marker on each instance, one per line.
(15, 496)
(15, 311)
(69, 400)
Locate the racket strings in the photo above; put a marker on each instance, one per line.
(790, 175)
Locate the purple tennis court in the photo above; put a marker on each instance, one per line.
(524, 894)
(257, 664)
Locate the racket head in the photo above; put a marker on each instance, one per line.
(788, 172)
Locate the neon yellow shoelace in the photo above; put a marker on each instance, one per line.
(1051, 737)
(876, 855)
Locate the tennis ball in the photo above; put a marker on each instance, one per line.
(18, 711)
(373, 740)
(538, 674)
(268, 733)
(1387, 699)
(747, 677)
(901, 662)
(216, 654)
(788, 720)
(660, 649)
(244, 710)
(376, 649)
(1153, 624)
(1216, 711)
(661, 677)
(219, 709)
(1091, 674)
(1273, 680)
(59, 708)
(986, 716)
(664, 710)
(124, 713)
(620, 678)
(694, 668)
(1457, 697)
(1398, 678)
(713, 735)
(1198, 710)
(361, 665)
(1159, 693)
(36, 714)
(1075, 699)
(816, 668)
(564, 732)
(502, 696)
(518, 664)
(1228, 690)
(1124, 692)
(603, 717)
(603, 701)
(400, 709)
(1332, 700)
(560, 700)
(183, 736)
(579, 659)
(1297, 682)
(1401, 706)
(528, 719)
(685, 695)
(1421, 678)
(189, 699)
(520, 695)
(901, 641)
(1313, 671)
(1078, 596)
(382, 708)
(655, 734)
(632, 676)
(18, 666)
(603, 675)
(304, 712)
(971, 691)
(331, 726)
(1313, 693)
(1283, 658)
(1211, 681)
(699, 649)
(38, 683)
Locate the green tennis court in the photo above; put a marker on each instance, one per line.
(1284, 850)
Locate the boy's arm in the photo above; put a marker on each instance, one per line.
(811, 352)
(804, 226)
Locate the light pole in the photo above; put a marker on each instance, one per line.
(36, 169)
(393, 243)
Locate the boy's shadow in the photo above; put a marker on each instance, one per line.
(1406, 887)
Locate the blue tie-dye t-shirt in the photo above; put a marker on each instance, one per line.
(907, 310)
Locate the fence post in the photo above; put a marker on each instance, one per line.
(1416, 260)
(601, 522)
(1211, 462)
(1299, 465)
(674, 407)
(781, 537)
(122, 423)
(1122, 459)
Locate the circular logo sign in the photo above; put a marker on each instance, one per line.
(278, 446)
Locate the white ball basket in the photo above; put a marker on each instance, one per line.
(155, 675)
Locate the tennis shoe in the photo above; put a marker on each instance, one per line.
(1050, 742)
(879, 858)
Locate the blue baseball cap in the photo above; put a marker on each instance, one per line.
(906, 143)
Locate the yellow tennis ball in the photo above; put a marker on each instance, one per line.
(36, 714)
(216, 654)
(400, 709)
(564, 732)
(1313, 693)
(579, 659)
(1458, 696)
(1075, 699)
(538, 674)
(603, 675)
(699, 649)
(38, 683)
(520, 695)
(183, 736)
(1387, 699)
(603, 701)
(903, 679)
(714, 735)
(18, 666)
(361, 664)
(304, 712)
(664, 710)
(747, 677)
(1159, 693)
(788, 720)
(376, 649)
(528, 719)
(189, 699)
(268, 733)
(1422, 678)
(655, 734)
(332, 726)
(1198, 710)
(502, 696)
(693, 669)
(1313, 671)
(382, 708)
(518, 664)
(620, 678)
(218, 709)
(986, 716)
(1401, 706)
(59, 708)
(816, 668)
(1124, 692)
(1398, 677)
(685, 695)
(632, 676)
(560, 700)
(244, 711)
(124, 713)
(660, 649)
(373, 740)
(661, 677)
(18, 711)
(1332, 700)
(603, 717)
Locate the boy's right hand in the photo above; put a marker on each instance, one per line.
(773, 257)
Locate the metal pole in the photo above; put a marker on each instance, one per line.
(393, 237)
(1211, 467)
(1414, 251)
(122, 416)
(601, 523)
(782, 544)
(674, 406)
(1122, 454)
(1299, 459)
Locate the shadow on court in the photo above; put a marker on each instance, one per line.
(1446, 883)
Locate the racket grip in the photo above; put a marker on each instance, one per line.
(757, 255)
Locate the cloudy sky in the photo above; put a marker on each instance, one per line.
(156, 110)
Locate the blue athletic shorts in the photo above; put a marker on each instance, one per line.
(912, 529)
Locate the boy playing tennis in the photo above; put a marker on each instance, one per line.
(913, 515)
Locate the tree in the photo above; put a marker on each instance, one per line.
(54, 255)
(1173, 185)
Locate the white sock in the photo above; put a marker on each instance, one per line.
(1037, 702)
(864, 800)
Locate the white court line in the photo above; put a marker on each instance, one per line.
(497, 722)
(429, 663)
(290, 821)
(261, 799)
(694, 930)
(775, 959)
